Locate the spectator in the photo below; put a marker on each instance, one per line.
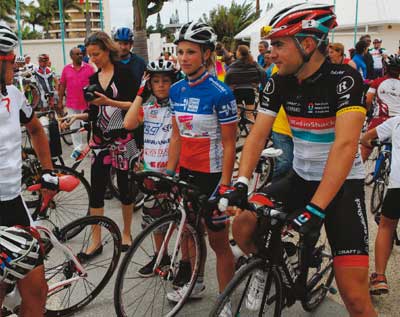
(336, 55)
(369, 62)
(74, 77)
(46, 80)
(112, 143)
(378, 54)
(262, 48)
(358, 58)
(124, 37)
(85, 57)
(244, 76)
(269, 67)
(29, 66)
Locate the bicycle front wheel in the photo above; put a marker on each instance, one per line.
(238, 295)
(69, 290)
(377, 196)
(66, 206)
(136, 295)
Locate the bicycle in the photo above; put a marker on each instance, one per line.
(380, 175)
(245, 123)
(291, 269)
(64, 207)
(73, 280)
(137, 296)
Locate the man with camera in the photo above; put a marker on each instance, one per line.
(74, 78)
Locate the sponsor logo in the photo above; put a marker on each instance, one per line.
(193, 104)
(345, 85)
(151, 128)
(270, 87)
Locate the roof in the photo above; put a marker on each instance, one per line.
(370, 12)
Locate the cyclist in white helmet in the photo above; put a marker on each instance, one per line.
(14, 111)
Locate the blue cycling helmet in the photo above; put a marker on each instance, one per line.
(123, 34)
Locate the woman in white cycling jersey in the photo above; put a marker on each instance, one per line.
(203, 137)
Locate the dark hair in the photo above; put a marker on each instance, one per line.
(364, 37)
(72, 50)
(245, 55)
(265, 43)
(361, 46)
(102, 40)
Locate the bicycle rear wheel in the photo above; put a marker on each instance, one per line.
(369, 166)
(377, 196)
(71, 296)
(66, 206)
(236, 292)
(135, 295)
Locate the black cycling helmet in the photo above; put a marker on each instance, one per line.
(198, 32)
(123, 34)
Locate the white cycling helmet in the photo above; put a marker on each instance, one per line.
(160, 66)
(8, 39)
(198, 32)
(20, 59)
(19, 253)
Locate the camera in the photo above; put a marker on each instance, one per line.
(88, 92)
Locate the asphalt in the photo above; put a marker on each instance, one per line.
(386, 305)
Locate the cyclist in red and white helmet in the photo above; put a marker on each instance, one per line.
(14, 110)
(325, 110)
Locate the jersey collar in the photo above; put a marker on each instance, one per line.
(198, 80)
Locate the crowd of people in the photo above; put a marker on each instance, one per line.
(182, 114)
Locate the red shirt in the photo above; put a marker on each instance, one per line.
(74, 80)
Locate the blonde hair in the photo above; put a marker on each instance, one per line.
(105, 43)
(338, 47)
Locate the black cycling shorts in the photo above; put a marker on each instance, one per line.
(246, 95)
(207, 182)
(391, 208)
(345, 221)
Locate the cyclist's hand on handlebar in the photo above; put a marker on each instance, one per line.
(307, 220)
(66, 121)
(234, 197)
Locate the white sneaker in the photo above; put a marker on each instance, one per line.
(227, 310)
(178, 294)
(254, 296)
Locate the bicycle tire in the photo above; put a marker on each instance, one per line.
(377, 196)
(316, 292)
(138, 255)
(33, 95)
(58, 267)
(67, 138)
(267, 169)
(369, 166)
(66, 207)
(244, 275)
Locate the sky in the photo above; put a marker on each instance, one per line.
(122, 12)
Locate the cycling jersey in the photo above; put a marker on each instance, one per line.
(45, 79)
(312, 107)
(387, 96)
(200, 107)
(157, 134)
(13, 111)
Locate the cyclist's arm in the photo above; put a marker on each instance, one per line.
(341, 156)
(132, 117)
(369, 99)
(228, 134)
(255, 143)
(39, 142)
(174, 147)
(368, 137)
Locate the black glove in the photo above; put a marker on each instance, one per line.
(49, 180)
(307, 220)
(144, 90)
(237, 196)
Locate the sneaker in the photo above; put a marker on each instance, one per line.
(378, 284)
(227, 310)
(147, 270)
(183, 276)
(254, 296)
(177, 295)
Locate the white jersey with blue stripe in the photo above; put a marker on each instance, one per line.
(200, 107)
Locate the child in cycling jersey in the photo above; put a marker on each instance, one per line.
(389, 130)
(156, 116)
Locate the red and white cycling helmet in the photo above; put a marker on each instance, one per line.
(301, 19)
(19, 253)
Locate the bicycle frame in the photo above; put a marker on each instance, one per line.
(383, 153)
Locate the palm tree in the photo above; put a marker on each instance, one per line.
(7, 11)
(46, 14)
(68, 5)
(31, 15)
(227, 22)
(142, 9)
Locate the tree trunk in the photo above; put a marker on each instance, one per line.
(257, 6)
(140, 44)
